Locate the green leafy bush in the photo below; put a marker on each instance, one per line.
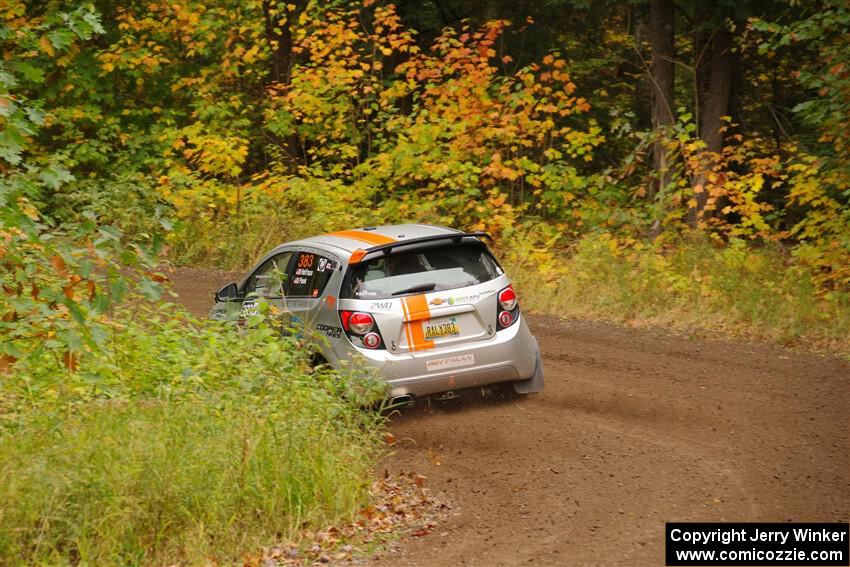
(134, 434)
(177, 441)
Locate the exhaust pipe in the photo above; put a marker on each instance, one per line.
(402, 400)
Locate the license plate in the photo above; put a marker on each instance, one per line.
(437, 328)
(450, 362)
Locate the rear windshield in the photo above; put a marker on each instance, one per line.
(421, 271)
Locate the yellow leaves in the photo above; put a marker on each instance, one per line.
(14, 9)
(29, 209)
(251, 54)
(46, 46)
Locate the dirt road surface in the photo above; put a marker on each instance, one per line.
(634, 428)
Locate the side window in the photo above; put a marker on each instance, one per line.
(269, 280)
(309, 274)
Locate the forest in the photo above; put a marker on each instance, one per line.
(681, 163)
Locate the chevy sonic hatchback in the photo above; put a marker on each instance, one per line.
(430, 307)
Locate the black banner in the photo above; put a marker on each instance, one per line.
(762, 545)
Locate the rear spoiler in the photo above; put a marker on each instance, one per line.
(387, 249)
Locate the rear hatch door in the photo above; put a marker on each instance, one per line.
(427, 298)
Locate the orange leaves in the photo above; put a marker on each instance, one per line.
(46, 46)
(68, 290)
(6, 363)
(58, 265)
(468, 130)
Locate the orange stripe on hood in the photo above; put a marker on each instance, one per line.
(415, 311)
(363, 236)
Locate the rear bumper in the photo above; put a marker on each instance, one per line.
(510, 355)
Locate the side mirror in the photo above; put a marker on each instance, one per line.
(228, 293)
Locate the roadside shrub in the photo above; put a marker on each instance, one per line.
(180, 441)
(133, 434)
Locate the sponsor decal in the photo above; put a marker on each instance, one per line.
(299, 304)
(464, 298)
(450, 362)
(249, 309)
(330, 300)
(329, 330)
(437, 301)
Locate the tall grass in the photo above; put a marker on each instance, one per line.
(736, 289)
(184, 442)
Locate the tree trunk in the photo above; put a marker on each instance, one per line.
(715, 105)
(279, 34)
(662, 75)
(278, 31)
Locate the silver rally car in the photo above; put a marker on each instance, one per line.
(430, 307)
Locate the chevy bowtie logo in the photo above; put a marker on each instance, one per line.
(437, 301)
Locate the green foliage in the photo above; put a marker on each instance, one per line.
(134, 434)
(30, 45)
(60, 284)
(177, 441)
(827, 31)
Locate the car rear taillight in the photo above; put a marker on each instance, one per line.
(507, 298)
(507, 312)
(361, 329)
(360, 323)
(505, 319)
(372, 340)
(344, 317)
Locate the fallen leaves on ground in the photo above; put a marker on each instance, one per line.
(402, 506)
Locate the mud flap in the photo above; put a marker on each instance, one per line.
(535, 383)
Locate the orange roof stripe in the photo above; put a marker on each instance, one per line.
(363, 236)
(356, 256)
